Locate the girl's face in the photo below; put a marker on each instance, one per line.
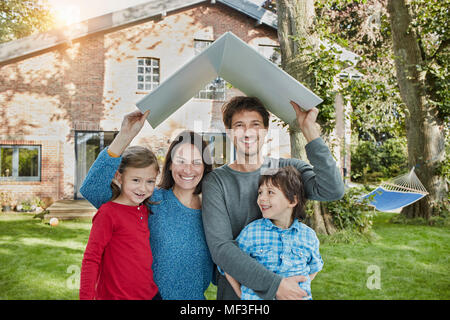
(137, 184)
(274, 205)
(187, 166)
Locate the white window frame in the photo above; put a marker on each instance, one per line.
(148, 73)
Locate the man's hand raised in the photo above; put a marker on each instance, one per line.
(307, 121)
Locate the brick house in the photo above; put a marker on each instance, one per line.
(63, 93)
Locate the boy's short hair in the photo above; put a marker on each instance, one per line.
(289, 180)
(241, 103)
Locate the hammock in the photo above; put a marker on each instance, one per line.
(397, 193)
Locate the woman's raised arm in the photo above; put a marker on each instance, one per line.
(96, 186)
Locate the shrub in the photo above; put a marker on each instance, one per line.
(377, 161)
(352, 213)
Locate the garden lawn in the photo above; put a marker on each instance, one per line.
(42, 262)
(38, 261)
(413, 263)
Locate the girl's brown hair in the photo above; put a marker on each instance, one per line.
(289, 181)
(195, 139)
(135, 157)
(241, 103)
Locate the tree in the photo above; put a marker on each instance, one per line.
(381, 108)
(421, 48)
(21, 18)
(295, 34)
(362, 27)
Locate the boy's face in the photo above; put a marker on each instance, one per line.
(248, 132)
(137, 184)
(273, 203)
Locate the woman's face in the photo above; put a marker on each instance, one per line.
(187, 166)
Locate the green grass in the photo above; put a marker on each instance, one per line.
(413, 263)
(42, 262)
(38, 261)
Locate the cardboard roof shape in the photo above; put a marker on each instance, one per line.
(239, 64)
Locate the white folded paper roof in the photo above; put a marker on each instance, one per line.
(239, 64)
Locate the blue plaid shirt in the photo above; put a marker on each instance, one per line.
(287, 252)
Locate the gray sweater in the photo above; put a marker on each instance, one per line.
(229, 204)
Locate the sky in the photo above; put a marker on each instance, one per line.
(72, 11)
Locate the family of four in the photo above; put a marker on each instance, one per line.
(238, 226)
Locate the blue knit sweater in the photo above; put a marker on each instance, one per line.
(182, 265)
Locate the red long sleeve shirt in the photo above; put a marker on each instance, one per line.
(117, 263)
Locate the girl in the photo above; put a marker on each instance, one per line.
(182, 266)
(279, 240)
(117, 263)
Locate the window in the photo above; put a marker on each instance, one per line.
(271, 52)
(147, 74)
(21, 163)
(216, 89)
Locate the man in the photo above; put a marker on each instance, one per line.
(230, 193)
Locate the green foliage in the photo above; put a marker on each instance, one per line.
(351, 212)
(324, 66)
(21, 18)
(430, 24)
(362, 27)
(377, 109)
(376, 161)
(443, 169)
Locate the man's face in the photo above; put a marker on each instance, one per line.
(248, 132)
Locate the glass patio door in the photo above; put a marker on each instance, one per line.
(88, 145)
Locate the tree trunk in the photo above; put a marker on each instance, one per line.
(295, 18)
(424, 128)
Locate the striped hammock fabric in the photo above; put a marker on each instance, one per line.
(397, 193)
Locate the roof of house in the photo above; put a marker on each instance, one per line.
(43, 41)
(239, 64)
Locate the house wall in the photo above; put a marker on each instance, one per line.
(91, 83)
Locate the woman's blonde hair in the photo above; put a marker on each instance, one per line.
(135, 157)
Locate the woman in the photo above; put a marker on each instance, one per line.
(182, 265)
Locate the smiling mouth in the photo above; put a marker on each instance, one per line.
(265, 207)
(140, 195)
(248, 141)
(187, 178)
